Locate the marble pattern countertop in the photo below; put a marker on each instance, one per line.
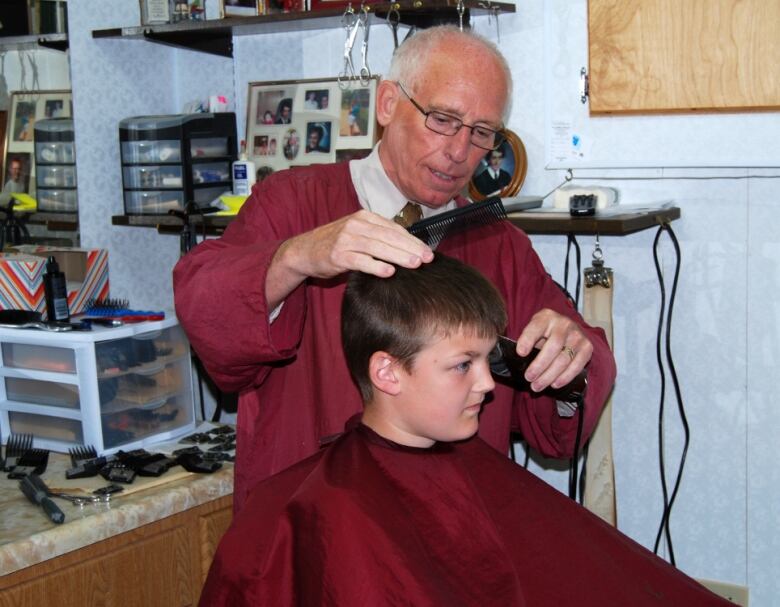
(28, 537)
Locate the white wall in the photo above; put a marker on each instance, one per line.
(725, 329)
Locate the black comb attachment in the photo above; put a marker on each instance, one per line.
(434, 229)
(85, 462)
(17, 446)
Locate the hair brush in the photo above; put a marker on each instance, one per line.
(434, 229)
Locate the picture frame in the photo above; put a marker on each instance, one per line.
(302, 122)
(17, 173)
(25, 109)
(241, 8)
(510, 161)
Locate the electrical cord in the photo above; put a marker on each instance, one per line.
(571, 240)
(574, 479)
(663, 529)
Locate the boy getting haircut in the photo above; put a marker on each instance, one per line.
(407, 506)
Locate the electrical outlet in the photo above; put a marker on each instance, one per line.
(733, 592)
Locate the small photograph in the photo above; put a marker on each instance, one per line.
(354, 112)
(291, 144)
(54, 108)
(497, 169)
(284, 112)
(318, 137)
(347, 155)
(260, 145)
(501, 171)
(264, 145)
(267, 105)
(24, 121)
(316, 99)
(17, 173)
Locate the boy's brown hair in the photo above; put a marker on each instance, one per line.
(401, 314)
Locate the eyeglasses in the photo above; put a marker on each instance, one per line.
(447, 124)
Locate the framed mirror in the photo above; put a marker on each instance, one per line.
(26, 108)
(501, 172)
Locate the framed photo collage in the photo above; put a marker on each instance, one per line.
(300, 122)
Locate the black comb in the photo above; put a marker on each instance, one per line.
(434, 229)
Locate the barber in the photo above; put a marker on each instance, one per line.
(261, 304)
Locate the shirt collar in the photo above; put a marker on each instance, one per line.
(377, 193)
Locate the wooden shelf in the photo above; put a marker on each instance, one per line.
(215, 36)
(57, 42)
(614, 224)
(66, 222)
(531, 222)
(168, 224)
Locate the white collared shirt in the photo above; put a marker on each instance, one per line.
(377, 193)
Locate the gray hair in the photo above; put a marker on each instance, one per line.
(411, 58)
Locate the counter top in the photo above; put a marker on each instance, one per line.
(28, 537)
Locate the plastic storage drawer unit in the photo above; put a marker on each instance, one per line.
(121, 388)
(55, 161)
(176, 161)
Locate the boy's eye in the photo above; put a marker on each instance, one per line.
(463, 367)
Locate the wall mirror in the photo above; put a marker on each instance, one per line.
(35, 90)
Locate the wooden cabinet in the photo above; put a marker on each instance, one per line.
(163, 564)
(651, 56)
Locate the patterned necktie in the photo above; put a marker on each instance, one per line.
(410, 214)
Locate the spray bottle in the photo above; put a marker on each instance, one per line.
(55, 290)
(243, 174)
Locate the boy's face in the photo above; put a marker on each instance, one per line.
(441, 397)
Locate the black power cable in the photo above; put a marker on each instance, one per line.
(571, 240)
(663, 529)
(575, 482)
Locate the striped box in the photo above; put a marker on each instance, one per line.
(21, 276)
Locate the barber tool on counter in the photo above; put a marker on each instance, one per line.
(38, 493)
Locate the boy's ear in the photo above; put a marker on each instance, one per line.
(382, 371)
(387, 94)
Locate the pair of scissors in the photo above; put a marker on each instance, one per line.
(393, 19)
(352, 25)
(365, 71)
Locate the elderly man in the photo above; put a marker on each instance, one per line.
(261, 304)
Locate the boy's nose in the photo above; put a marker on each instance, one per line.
(485, 381)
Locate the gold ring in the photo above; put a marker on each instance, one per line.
(568, 351)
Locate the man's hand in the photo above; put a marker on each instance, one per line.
(362, 241)
(564, 350)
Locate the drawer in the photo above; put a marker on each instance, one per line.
(39, 358)
(129, 425)
(211, 172)
(203, 197)
(60, 152)
(152, 177)
(211, 147)
(155, 202)
(39, 392)
(134, 152)
(46, 427)
(147, 386)
(49, 176)
(64, 201)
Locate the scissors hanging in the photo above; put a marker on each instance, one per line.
(351, 25)
(393, 19)
(364, 19)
